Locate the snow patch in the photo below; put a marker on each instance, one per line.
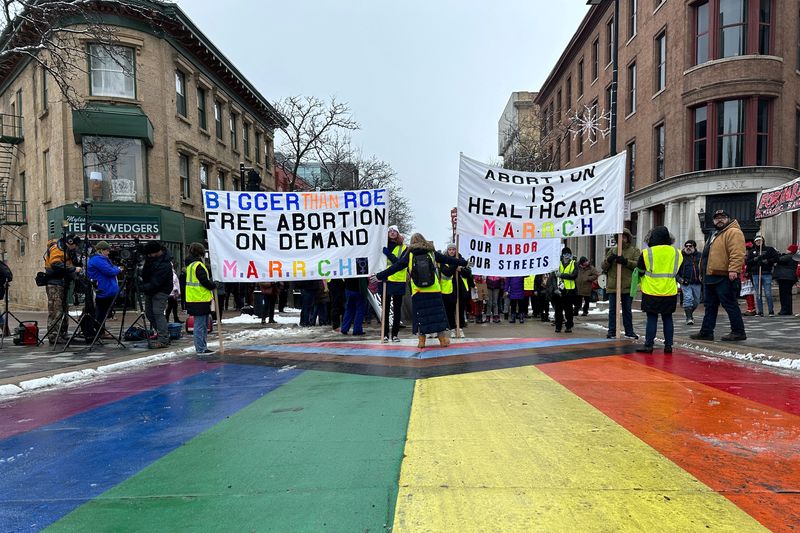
(253, 319)
(9, 389)
(58, 379)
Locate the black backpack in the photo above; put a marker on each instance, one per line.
(423, 270)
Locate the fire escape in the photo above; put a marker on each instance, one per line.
(12, 212)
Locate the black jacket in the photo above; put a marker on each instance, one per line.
(763, 262)
(785, 269)
(157, 275)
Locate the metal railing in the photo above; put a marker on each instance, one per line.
(12, 212)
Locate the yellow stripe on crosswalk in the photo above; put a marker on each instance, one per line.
(513, 450)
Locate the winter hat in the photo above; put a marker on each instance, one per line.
(792, 248)
(758, 236)
(394, 228)
(721, 213)
(566, 251)
(452, 245)
(583, 260)
(748, 244)
(152, 247)
(102, 245)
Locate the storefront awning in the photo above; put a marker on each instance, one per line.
(112, 121)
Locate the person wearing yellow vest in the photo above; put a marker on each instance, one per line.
(426, 301)
(395, 284)
(660, 263)
(198, 295)
(452, 292)
(564, 295)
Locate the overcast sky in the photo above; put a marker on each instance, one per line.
(425, 79)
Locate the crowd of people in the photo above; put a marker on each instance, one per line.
(446, 297)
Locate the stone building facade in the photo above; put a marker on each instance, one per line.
(518, 127)
(708, 109)
(166, 115)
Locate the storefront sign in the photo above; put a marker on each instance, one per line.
(782, 199)
(260, 236)
(489, 256)
(116, 229)
(509, 204)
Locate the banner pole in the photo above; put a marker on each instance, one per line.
(618, 310)
(457, 288)
(384, 313)
(758, 293)
(219, 322)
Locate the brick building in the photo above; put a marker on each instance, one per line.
(708, 109)
(166, 115)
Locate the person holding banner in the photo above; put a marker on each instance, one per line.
(689, 279)
(760, 261)
(630, 255)
(564, 296)
(420, 261)
(198, 295)
(395, 285)
(660, 263)
(494, 286)
(723, 257)
(515, 287)
(452, 293)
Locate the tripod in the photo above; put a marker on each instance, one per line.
(131, 289)
(60, 324)
(100, 326)
(5, 314)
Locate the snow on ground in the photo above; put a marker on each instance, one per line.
(253, 319)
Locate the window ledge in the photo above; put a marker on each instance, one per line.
(248, 159)
(183, 119)
(113, 99)
(629, 115)
(205, 132)
(712, 62)
(235, 151)
(659, 6)
(187, 201)
(47, 200)
(594, 81)
(631, 38)
(45, 112)
(221, 142)
(658, 93)
(578, 100)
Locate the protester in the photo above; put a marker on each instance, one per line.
(746, 278)
(689, 279)
(269, 292)
(481, 294)
(337, 296)
(308, 294)
(785, 273)
(529, 288)
(198, 295)
(543, 296)
(564, 297)
(104, 274)
(60, 270)
(515, 288)
(620, 291)
(659, 263)
(494, 287)
(584, 285)
(321, 304)
(456, 290)
(355, 290)
(723, 257)
(760, 261)
(172, 303)
(395, 285)
(156, 284)
(426, 293)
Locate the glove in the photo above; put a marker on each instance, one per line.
(386, 251)
(620, 260)
(611, 258)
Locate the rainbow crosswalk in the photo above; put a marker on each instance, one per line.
(506, 435)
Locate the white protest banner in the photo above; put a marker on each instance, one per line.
(493, 256)
(781, 199)
(495, 202)
(290, 236)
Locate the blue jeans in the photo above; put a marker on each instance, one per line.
(200, 333)
(307, 312)
(627, 315)
(691, 295)
(652, 326)
(766, 288)
(353, 312)
(725, 294)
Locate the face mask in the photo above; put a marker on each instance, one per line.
(567, 256)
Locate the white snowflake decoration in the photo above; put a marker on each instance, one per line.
(590, 122)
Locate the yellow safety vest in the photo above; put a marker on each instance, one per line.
(402, 275)
(436, 287)
(569, 269)
(195, 292)
(661, 266)
(446, 283)
(528, 282)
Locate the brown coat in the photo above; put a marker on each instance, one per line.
(583, 283)
(726, 253)
(631, 254)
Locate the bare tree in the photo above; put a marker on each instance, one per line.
(311, 124)
(53, 33)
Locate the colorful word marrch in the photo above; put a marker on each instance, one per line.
(260, 236)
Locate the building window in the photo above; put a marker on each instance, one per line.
(631, 103)
(631, 170)
(797, 65)
(568, 101)
(797, 138)
(729, 28)
(730, 133)
(579, 143)
(580, 78)
(18, 117)
(607, 110)
(114, 169)
(235, 182)
(659, 138)
(661, 61)
(700, 141)
(218, 119)
(762, 132)
(246, 139)
(259, 148)
(593, 117)
(567, 150)
(180, 92)
(234, 140)
(45, 90)
(595, 58)
(220, 180)
(111, 70)
(633, 6)
(609, 41)
(202, 119)
(46, 174)
(203, 176)
(183, 170)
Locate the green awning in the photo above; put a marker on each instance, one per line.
(112, 121)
